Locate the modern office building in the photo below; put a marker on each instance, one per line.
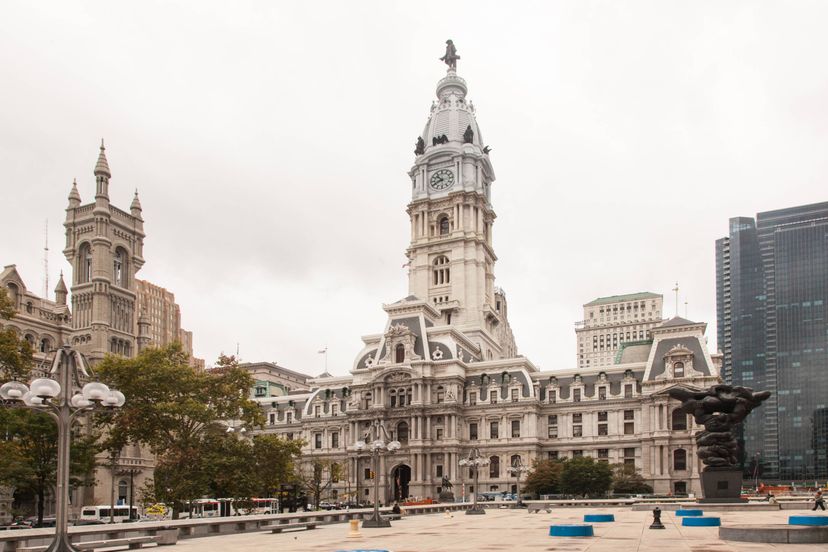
(771, 293)
(610, 322)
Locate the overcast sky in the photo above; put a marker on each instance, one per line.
(269, 142)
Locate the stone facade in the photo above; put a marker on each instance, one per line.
(444, 374)
(610, 322)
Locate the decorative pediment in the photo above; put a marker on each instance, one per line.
(399, 345)
(398, 377)
(678, 363)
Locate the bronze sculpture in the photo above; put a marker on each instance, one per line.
(451, 56)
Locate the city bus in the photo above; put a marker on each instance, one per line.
(103, 513)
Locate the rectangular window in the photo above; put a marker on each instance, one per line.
(576, 395)
(552, 455)
(473, 432)
(472, 399)
(439, 433)
(603, 454)
(553, 419)
(629, 428)
(577, 431)
(367, 473)
(602, 429)
(335, 440)
(514, 395)
(316, 411)
(493, 397)
(577, 418)
(334, 409)
(577, 453)
(629, 414)
(553, 432)
(628, 391)
(272, 418)
(317, 440)
(439, 470)
(602, 416)
(515, 428)
(493, 430)
(553, 397)
(629, 457)
(602, 393)
(289, 417)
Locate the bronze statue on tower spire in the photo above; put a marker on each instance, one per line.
(451, 56)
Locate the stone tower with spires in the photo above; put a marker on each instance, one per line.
(104, 245)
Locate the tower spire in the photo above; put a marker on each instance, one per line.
(74, 195)
(102, 166)
(102, 176)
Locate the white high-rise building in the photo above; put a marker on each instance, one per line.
(610, 323)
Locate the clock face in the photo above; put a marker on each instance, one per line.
(442, 179)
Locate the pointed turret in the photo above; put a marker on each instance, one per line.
(74, 195)
(102, 176)
(60, 291)
(102, 166)
(135, 206)
(144, 336)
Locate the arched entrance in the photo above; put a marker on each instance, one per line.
(400, 478)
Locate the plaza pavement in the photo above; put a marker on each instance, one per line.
(502, 529)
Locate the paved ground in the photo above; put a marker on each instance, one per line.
(510, 530)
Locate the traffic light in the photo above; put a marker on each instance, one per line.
(371, 473)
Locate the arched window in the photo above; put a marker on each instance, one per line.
(402, 432)
(444, 225)
(679, 420)
(45, 345)
(13, 294)
(494, 466)
(118, 268)
(122, 491)
(84, 264)
(515, 460)
(679, 459)
(441, 271)
(392, 395)
(29, 307)
(401, 396)
(678, 370)
(30, 340)
(399, 353)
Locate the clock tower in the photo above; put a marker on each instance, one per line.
(451, 255)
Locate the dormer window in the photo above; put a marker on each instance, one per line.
(399, 353)
(678, 370)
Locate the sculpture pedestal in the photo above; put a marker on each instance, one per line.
(446, 496)
(721, 485)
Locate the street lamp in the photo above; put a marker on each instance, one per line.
(377, 440)
(517, 469)
(63, 400)
(475, 461)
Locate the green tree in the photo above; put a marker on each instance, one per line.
(627, 480)
(320, 478)
(584, 476)
(231, 466)
(175, 410)
(28, 454)
(275, 459)
(544, 478)
(15, 353)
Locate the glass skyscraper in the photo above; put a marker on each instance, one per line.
(771, 293)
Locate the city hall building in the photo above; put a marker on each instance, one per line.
(444, 374)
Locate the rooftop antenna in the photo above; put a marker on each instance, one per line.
(676, 289)
(46, 260)
(325, 352)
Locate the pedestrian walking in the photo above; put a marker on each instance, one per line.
(819, 501)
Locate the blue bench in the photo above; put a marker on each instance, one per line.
(570, 531)
(599, 518)
(808, 520)
(695, 521)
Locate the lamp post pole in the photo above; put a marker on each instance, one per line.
(63, 402)
(518, 468)
(474, 461)
(376, 439)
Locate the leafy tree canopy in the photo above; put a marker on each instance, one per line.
(15, 353)
(584, 476)
(627, 480)
(170, 404)
(544, 478)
